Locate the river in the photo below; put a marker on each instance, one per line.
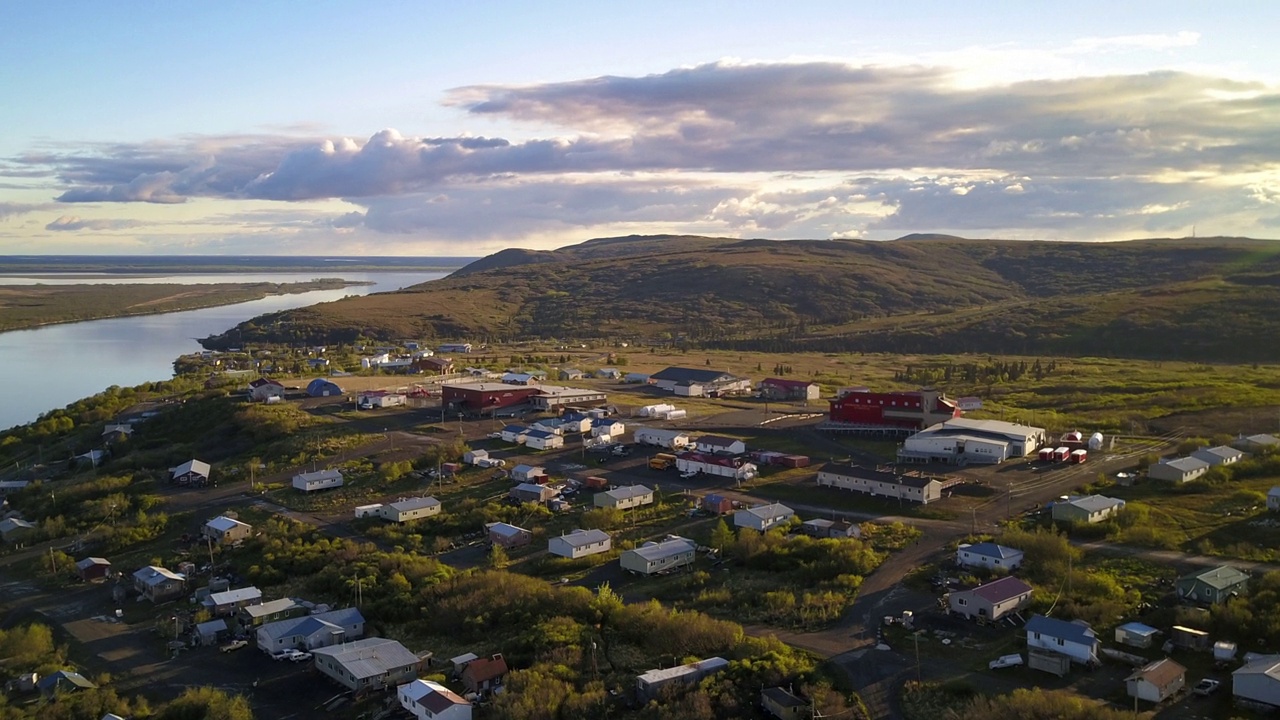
(53, 366)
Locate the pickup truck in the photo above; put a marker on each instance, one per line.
(234, 645)
(1005, 661)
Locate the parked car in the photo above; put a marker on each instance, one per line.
(1207, 686)
(234, 645)
(299, 656)
(281, 655)
(689, 475)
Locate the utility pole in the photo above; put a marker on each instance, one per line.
(916, 636)
(975, 519)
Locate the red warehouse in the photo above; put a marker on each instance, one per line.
(477, 398)
(905, 410)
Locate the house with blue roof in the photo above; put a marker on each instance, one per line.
(311, 632)
(988, 555)
(514, 433)
(1076, 640)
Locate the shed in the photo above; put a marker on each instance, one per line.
(1157, 681)
(782, 704)
(210, 633)
(1135, 634)
(1190, 638)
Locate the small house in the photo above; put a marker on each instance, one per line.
(192, 472)
(720, 445)
(636, 378)
(1181, 470)
(226, 530)
(529, 473)
(252, 616)
(625, 497)
(580, 543)
(93, 569)
(515, 378)
(212, 632)
(408, 509)
(1189, 638)
(1075, 640)
(1273, 498)
(1135, 634)
(318, 480)
(116, 433)
(653, 558)
(530, 492)
(1087, 509)
(782, 704)
(569, 374)
(367, 665)
(1257, 683)
(308, 632)
(543, 440)
(823, 528)
(780, 389)
(506, 535)
(1157, 681)
(63, 681)
(1212, 586)
(607, 426)
(717, 504)
(1220, 455)
(427, 700)
(229, 602)
(433, 365)
(472, 457)
(763, 517)
(988, 555)
(158, 584)
(484, 676)
(263, 390)
(609, 373)
(991, 601)
(514, 433)
(1256, 443)
(14, 529)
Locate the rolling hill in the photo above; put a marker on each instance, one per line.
(1206, 299)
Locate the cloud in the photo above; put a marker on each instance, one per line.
(721, 144)
(72, 223)
(14, 209)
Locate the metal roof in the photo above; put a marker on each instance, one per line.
(658, 550)
(1159, 673)
(1187, 464)
(628, 492)
(270, 607)
(992, 550)
(1219, 578)
(197, 466)
(302, 626)
(224, 523)
(693, 375)
(702, 666)
(1068, 631)
(581, 538)
(370, 657)
(413, 503)
(998, 591)
(770, 511)
(1095, 503)
(433, 696)
(234, 596)
(505, 530)
(1137, 628)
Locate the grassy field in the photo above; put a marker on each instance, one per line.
(26, 306)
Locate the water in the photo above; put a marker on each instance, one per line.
(51, 367)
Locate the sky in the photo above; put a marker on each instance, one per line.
(457, 129)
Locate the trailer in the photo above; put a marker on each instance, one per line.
(1046, 455)
(669, 439)
(1079, 456)
(1061, 454)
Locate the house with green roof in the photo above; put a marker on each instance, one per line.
(1213, 586)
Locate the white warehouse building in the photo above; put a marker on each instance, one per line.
(964, 440)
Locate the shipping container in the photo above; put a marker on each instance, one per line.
(1062, 454)
(1046, 455)
(1079, 456)
(793, 461)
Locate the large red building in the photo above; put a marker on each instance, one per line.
(476, 398)
(906, 410)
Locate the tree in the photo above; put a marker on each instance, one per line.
(498, 558)
(205, 703)
(721, 536)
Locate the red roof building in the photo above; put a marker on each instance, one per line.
(484, 674)
(905, 410)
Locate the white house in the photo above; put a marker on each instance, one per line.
(527, 473)
(624, 498)
(580, 543)
(410, 509)
(319, 480)
(543, 440)
(1257, 443)
(988, 555)
(992, 600)
(659, 557)
(225, 530)
(472, 456)
(1273, 498)
(1181, 470)
(1156, 681)
(670, 439)
(763, 517)
(607, 426)
(312, 631)
(1257, 683)
(913, 486)
(718, 444)
(1089, 508)
(454, 348)
(428, 700)
(1220, 455)
(1073, 639)
(514, 433)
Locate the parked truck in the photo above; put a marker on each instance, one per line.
(662, 461)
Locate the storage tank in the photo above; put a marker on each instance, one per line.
(1095, 441)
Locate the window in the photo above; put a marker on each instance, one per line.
(1060, 641)
(962, 601)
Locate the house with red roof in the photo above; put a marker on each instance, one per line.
(991, 601)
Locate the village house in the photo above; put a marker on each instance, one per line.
(543, 440)
(529, 474)
(624, 498)
(63, 681)
(367, 665)
(427, 700)
(93, 569)
(1273, 498)
(158, 584)
(782, 704)
(515, 378)
(607, 426)
(1072, 639)
(780, 389)
(1212, 586)
(991, 601)
(211, 632)
(264, 390)
(229, 602)
(988, 555)
(463, 348)
(409, 509)
(1180, 470)
(730, 466)
(1087, 509)
(116, 433)
(580, 543)
(912, 486)
(1257, 683)
(225, 530)
(14, 529)
(312, 631)
(531, 492)
(318, 480)
(483, 676)
(507, 536)
(763, 517)
(717, 504)
(514, 433)
(192, 472)
(658, 557)
(824, 528)
(1220, 455)
(252, 616)
(719, 445)
(433, 365)
(1256, 443)
(650, 683)
(608, 373)
(1156, 681)
(569, 374)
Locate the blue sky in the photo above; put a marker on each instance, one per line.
(459, 129)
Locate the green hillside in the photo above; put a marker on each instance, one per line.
(1209, 299)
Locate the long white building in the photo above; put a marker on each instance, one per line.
(964, 440)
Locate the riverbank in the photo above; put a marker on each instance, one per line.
(24, 307)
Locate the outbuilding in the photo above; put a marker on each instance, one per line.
(1180, 470)
(323, 388)
(580, 543)
(318, 480)
(1157, 681)
(763, 517)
